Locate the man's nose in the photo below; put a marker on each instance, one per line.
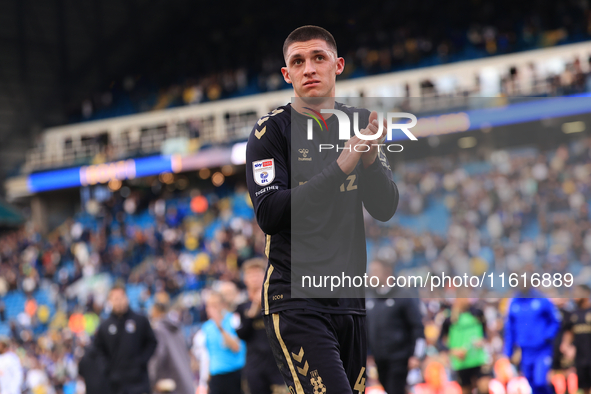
(309, 69)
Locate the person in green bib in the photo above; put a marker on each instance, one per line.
(463, 333)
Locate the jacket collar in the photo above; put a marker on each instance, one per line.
(123, 316)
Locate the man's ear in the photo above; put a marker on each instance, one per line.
(340, 65)
(285, 75)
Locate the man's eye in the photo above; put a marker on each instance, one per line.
(319, 57)
(297, 62)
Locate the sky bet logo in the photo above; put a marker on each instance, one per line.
(263, 171)
(263, 164)
(345, 127)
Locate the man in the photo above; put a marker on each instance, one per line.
(561, 360)
(260, 371)
(395, 330)
(231, 294)
(171, 361)
(463, 333)
(532, 323)
(126, 342)
(218, 348)
(319, 344)
(577, 335)
(11, 370)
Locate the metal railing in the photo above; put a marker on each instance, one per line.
(232, 120)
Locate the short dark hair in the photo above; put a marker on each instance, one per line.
(307, 33)
(119, 285)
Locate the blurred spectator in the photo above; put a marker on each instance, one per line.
(91, 322)
(260, 371)
(11, 371)
(521, 206)
(472, 30)
(577, 337)
(226, 353)
(170, 362)
(463, 333)
(532, 323)
(560, 359)
(230, 294)
(76, 322)
(126, 341)
(37, 380)
(395, 330)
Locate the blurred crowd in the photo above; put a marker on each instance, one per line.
(177, 246)
(520, 210)
(575, 78)
(514, 211)
(402, 36)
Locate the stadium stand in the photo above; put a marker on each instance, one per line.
(169, 247)
(549, 72)
(475, 31)
(526, 206)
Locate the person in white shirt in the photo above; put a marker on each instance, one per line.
(200, 352)
(11, 370)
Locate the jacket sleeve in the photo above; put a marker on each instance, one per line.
(378, 190)
(509, 335)
(479, 314)
(155, 361)
(273, 201)
(100, 345)
(415, 321)
(150, 343)
(244, 329)
(442, 341)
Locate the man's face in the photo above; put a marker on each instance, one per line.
(229, 292)
(580, 295)
(253, 278)
(380, 270)
(214, 307)
(311, 68)
(118, 300)
(462, 303)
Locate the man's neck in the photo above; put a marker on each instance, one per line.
(316, 103)
(119, 314)
(383, 290)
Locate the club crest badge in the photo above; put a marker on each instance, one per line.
(263, 171)
(130, 326)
